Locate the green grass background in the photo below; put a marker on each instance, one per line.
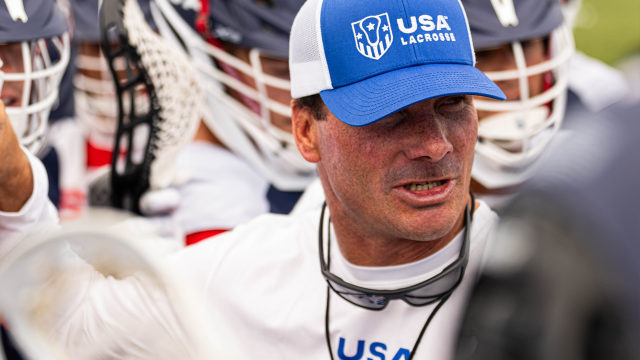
(609, 30)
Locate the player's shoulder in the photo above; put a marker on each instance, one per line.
(202, 160)
(484, 213)
(485, 220)
(266, 236)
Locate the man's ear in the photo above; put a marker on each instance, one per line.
(305, 131)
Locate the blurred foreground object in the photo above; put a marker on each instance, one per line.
(94, 263)
(561, 279)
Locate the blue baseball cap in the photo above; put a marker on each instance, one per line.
(370, 59)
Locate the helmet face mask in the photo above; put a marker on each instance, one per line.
(529, 61)
(34, 47)
(33, 70)
(248, 98)
(96, 104)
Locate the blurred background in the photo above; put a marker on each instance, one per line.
(561, 276)
(609, 30)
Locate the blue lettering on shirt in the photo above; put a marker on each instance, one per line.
(376, 349)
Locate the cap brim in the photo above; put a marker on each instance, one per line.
(373, 99)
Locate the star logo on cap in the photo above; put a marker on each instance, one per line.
(370, 42)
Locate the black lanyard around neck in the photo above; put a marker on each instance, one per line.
(424, 327)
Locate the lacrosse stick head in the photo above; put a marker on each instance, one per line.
(174, 97)
(34, 47)
(45, 278)
(524, 47)
(240, 50)
(95, 96)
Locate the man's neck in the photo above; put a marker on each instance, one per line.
(364, 250)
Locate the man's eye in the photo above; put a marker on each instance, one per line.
(453, 100)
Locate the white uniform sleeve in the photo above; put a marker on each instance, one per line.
(223, 191)
(106, 317)
(38, 213)
(91, 314)
(596, 84)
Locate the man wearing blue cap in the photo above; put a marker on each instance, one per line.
(383, 104)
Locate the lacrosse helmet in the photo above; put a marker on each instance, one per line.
(571, 10)
(34, 50)
(513, 138)
(95, 95)
(241, 112)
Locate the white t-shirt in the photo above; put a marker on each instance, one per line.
(223, 190)
(263, 282)
(37, 214)
(265, 277)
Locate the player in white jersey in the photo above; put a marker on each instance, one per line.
(384, 108)
(34, 52)
(223, 188)
(243, 162)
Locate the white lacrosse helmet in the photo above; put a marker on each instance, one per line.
(512, 141)
(571, 10)
(241, 122)
(34, 47)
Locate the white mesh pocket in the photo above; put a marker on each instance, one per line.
(178, 90)
(307, 63)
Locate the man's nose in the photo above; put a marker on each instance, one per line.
(428, 140)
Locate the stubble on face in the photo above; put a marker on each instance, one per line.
(363, 170)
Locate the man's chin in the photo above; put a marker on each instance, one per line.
(426, 224)
(425, 231)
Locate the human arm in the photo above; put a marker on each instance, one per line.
(24, 204)
(16, 178)
(96, 291)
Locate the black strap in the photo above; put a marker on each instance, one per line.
(415, 346)
(426, 324)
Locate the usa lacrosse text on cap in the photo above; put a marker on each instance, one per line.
(370, 59)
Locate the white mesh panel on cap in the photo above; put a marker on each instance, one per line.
(307, 63)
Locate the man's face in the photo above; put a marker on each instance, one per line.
(502, 59)
(372, 174)
(11, 55)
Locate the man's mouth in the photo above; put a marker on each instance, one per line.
(424, 185)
